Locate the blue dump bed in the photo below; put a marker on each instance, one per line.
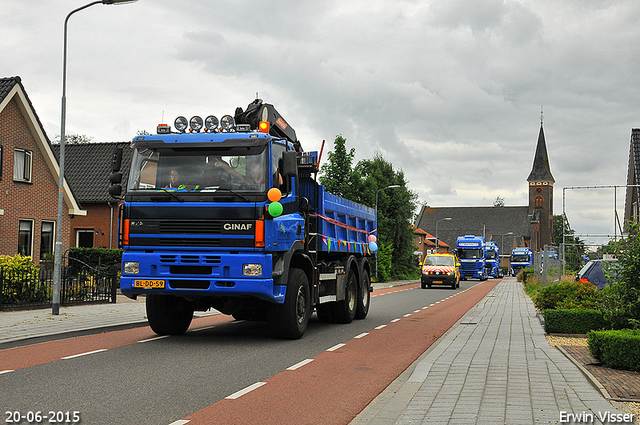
(343, 225)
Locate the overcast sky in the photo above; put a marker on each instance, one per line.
(448, 91)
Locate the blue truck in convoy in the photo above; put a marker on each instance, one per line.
(521, 258)
(472, 253)
(227, 214)
(492, 262)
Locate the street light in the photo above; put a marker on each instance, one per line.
(442, 219)
(502, 243)
(57, 265)
(393, 186)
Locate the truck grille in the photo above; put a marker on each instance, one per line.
(190, 227)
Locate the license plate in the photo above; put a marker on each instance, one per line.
(437, 281)
(148, 283)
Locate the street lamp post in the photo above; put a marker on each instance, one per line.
(57, 266)
(442, 219)
(393, 186)
(502, 242)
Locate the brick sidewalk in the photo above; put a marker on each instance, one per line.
(621, 384)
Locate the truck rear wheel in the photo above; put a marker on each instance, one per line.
(364, 298)
(168, 315)
(346, 309)
(290, 319)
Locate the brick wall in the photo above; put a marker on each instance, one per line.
(97, 221)
(38, 200)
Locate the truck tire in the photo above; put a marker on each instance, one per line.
(364, 296)
(289, 320)
(346, 309)
(168, 315)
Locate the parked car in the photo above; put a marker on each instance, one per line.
(594, 272)
(440, 269)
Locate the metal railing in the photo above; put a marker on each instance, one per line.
(21, 289)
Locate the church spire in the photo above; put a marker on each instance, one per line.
(541, 172)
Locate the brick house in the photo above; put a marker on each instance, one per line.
(632, 200)
(426, 243)
(87, 169)
(28, 180)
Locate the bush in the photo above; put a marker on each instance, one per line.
(622, 299)
(573, 321)
(568, 295)
(618, 349)
(20, 280)
(96, 258)
(525, 275)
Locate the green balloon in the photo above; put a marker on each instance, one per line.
(275, 209)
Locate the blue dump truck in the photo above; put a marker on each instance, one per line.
(492, 263)
(472, 253)
(227, 214)
(521, 258)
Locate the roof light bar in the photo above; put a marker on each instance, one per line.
(181, 124)
(195, 123)
(211, 123)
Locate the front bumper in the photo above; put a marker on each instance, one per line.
(201, 275)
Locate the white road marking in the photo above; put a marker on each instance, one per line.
(335, 347)
(154, 339)
(245, 391)
(361, 335)
(299, 365)
(84, 354)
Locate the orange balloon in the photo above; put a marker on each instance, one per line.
(274, 194)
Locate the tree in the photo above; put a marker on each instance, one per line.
(499, 202)
(622, 298)
(73, 138)
(395, 206)
(574, 247)
(336, 174)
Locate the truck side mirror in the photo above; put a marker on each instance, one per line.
(289, 164)
(115, 178)
(115, 191)
(116, 160)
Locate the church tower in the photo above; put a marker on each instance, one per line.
(541, 197)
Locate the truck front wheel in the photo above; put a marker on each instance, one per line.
(346, 309)
(290, 319)
(168, 315)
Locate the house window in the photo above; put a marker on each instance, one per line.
(84, 238)
(22, 165)
(25, 237)
(46, 238)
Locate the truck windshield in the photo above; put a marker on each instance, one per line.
(195, 170)
(469, 254)
(491, 255)
(519, 258)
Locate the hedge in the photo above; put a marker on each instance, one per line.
(618, 349)
(573, 321)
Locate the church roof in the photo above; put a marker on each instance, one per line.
(541, 170)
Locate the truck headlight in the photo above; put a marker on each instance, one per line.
(252, 269)
(131, 267)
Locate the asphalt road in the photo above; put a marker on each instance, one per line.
(160, 381)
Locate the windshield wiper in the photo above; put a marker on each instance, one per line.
(170, 192)
(233, 192)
